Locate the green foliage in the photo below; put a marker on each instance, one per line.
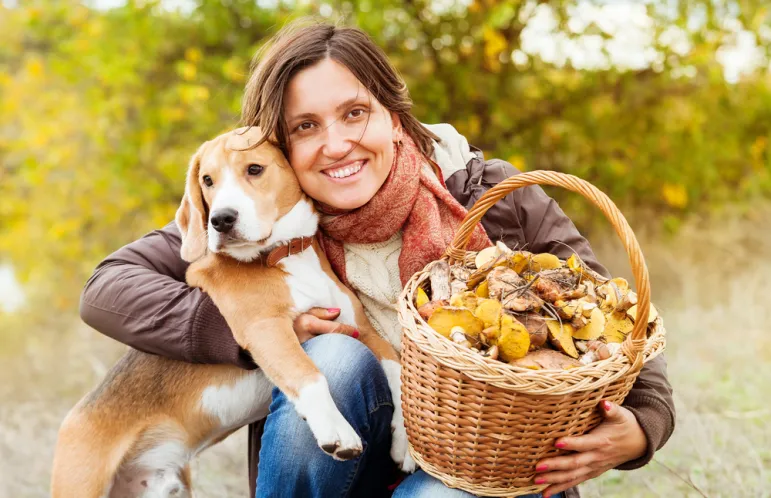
(101, 110)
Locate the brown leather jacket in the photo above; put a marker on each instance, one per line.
(138, 296)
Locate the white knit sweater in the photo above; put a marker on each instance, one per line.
(373, 269)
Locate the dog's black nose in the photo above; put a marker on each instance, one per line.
(224, 219)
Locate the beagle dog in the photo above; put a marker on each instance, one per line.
(248, 231)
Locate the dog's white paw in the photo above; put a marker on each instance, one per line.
(338, 439)
(333, 433)
(400, 452)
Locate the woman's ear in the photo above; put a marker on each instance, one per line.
(191, 214)
(398, 131)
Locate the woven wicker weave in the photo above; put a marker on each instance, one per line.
(481, 425)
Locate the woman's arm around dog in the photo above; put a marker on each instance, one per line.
(138, 296)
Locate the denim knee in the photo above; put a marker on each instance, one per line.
(291, 464)
(352, 371)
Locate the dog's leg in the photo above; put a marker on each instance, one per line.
(389, 360)
(352, 313)
(87, 456)
(275, 348)
(154, 468)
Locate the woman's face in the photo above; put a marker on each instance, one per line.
(341, 140)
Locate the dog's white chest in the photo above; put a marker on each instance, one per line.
(311, 287)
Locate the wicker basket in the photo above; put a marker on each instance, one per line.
(481, 425)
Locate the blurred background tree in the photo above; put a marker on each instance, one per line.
(665, 105)
(102, 105)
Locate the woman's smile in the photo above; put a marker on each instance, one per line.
(345, 173)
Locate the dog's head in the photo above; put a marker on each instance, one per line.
(237, 199)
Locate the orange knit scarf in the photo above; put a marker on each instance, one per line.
(412, 200)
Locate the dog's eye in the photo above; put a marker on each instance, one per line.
(207, 181)
(255, 169)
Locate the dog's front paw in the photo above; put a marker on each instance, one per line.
(333, 433)
(340, 442)
(400, 452)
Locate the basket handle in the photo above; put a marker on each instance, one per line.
(635, 342)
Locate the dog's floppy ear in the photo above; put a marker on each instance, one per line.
(191, 215)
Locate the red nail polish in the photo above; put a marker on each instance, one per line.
(542, 468)
(606, 406)
(547, 496)
(355, 334)
(560, 445)
(540, 480)
(333, 310)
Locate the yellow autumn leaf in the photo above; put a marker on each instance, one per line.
(193, 54)
(191, 94)
(495, 43)
(172, 114)
(674, 195)
(474, 125)
(518, 162)
(233, 69)
(34, 67)
(188, 71)
(95, 29)
(148, 136)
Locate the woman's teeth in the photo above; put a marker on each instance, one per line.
(345, 172)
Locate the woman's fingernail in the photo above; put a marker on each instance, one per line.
(355, 334)
(547, 496)
(542, 468)
(560, 444)
(606, 406)
(333, 310)
(540, 480)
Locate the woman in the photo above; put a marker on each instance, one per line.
(330, 99)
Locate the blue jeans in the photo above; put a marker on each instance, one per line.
(292, 464)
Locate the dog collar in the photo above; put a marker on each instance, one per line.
(294, 246)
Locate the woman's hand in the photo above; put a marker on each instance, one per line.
(618, 439)
(318, 321)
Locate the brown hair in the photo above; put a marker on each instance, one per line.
(302, 44)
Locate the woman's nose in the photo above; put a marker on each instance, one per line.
(337, 144)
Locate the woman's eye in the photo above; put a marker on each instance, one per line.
(207, 181)
(255, 169)
(305, 126)
(356, 113)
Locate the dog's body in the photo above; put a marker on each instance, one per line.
(135, 434)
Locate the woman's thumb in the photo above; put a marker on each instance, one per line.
(610, 410)
(325, 323)
(325, 313)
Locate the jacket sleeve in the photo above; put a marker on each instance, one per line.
(138, 296)
(650, 400)
(530, 219)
